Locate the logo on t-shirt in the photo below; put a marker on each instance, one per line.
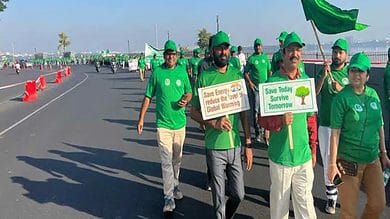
(358, 108)
(178, 82)
(345, 81)
(256, 62)
(262, 61)
(167, 82)
(373, 105)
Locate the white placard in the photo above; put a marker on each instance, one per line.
(223, 99)
(296, 96)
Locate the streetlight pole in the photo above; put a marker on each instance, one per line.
(128, 46)
(13, 52)
(217, 23)
(155, 35)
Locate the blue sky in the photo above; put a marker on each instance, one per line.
(94, 25)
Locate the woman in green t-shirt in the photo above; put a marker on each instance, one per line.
(356, 131)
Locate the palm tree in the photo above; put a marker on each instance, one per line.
(63, 41)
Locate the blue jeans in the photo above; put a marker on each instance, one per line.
(219, 162)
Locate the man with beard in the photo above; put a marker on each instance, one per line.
(221, 156)
(291, 170)
(330, 80)
(256, 71)
(171, 86)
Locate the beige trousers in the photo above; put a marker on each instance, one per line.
(170, 143)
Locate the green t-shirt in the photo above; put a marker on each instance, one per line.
(258, 67)
(276, 59)
(359, 118)
(235, 62)
(216, 139)
(141, 63)
(168, 85)
(327, 93)
(194, 63)
(279, 147)
(154, 63)
(183, 63)
(386, 85)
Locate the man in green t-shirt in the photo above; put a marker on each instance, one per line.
(291, 169)
(277, 56)
(154, 63)
(194, 63)
(386, 87)
(141, 67)
(234, 61)
(171, 87)
(256, 71)
(222, 135)
(182, 61)
(330, 80)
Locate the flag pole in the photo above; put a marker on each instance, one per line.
(319, 45)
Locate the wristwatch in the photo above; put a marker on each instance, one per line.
(248, 145)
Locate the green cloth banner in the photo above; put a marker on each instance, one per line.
(150, 51)
(330, 19)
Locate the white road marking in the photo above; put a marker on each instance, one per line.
(41, 108)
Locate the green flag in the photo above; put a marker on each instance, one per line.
(330, 19)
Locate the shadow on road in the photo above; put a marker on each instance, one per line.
(99, 190)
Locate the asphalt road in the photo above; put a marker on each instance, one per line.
(75, 153)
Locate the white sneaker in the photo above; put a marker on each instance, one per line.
(177, 194)
(330, 206)
(169, 205)
(259, 138)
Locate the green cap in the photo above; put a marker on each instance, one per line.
(170, 45)
(282, 36)
(219, 39)
(257, 42)
(197, 51)
(233, 49)
(342, 44)
(292, 38)
(361, 61)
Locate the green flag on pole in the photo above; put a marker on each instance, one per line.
(330, 19)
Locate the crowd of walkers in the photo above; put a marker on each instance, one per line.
(350, 130)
